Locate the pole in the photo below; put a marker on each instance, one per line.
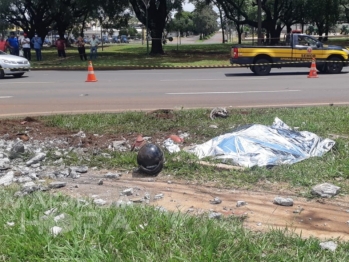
(259, 22)
(177, 38)
(146, 14)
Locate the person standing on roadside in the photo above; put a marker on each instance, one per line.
(94, 44)
(2, 44)
(60, 44)
(81, 48)
(37, 44)
(13, 44)
(25, 42)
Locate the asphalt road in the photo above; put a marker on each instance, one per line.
(47, 92)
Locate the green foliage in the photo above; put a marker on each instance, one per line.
(205, 20)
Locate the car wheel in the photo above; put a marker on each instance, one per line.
(18, 75)
(262, 67)
(2, 73)
(334, 65)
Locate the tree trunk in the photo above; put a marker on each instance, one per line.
(156, 42)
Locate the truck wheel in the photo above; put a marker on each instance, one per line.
(335, 65)
(252, 69)
(262, 68)
(322, 69)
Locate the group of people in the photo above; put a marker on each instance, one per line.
(14, 45)
(24, 44)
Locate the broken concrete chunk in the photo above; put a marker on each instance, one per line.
(99, 202)
(325, 190)
(7, 178)
(215, 215)
(283, 201)
(57, 184)
(30, 187)
(111, 175)
(216, 201)
(128, 192)
(55, 231)
(39, 157)
(241, 203)
(4, 164)
(330, 245)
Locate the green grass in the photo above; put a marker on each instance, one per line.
(139, 233)
(323, 121)
(135, 55)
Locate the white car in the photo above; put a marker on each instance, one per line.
(13, 65)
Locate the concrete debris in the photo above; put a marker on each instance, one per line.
(216, 201)
(283, 201)
(158, 196)
(121, 203)
(39, 157)
(57, 184)
(51, 211)
(241, 203)
(325, 190)
(4, 164)
(170, 145)
(215, 215)
(99, 202)
(7, 178)
(59, 217)
(112, 175)
(55, 231)
(329, 245)
(161, 209)
(80, 134)
(218, 112)
(128, 192)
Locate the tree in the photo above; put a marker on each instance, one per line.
(33, 16)
(205, 20)
(323, 13)
(155, 14)
(182, 22)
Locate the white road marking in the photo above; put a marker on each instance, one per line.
(212, 79)
(5, 97)
(237, 92)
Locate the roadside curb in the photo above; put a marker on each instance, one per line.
(125, 67)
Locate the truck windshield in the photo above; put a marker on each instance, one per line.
(307, 41)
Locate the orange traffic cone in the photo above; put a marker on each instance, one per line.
(313, 71)
(91, 74)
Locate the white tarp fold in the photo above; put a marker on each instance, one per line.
(264, 145)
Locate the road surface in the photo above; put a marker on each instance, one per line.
(50, 92)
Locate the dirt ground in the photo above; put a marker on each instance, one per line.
(322, 218)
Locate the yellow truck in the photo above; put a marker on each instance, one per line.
(298, 51)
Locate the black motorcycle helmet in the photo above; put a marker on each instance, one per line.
(150, 159)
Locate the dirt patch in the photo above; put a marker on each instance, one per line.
(322, 218)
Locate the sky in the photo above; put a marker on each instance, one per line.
(188, 7)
